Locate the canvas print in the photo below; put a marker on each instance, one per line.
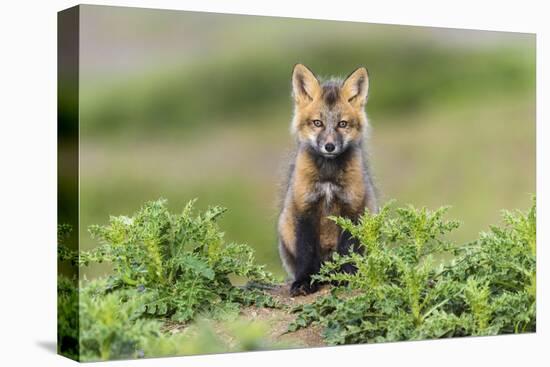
(231, 183)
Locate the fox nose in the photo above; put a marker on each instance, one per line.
(329, 147)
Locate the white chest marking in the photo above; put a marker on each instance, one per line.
(329, 191)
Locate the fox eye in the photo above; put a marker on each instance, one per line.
(317, 123)
(343, 124)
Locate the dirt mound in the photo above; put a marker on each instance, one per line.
(279, 319)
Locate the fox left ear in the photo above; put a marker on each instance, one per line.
(356, 87)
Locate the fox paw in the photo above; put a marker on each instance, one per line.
(348, 268)
(303, 287)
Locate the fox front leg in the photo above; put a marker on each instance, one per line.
(308, 258)
(345, 245)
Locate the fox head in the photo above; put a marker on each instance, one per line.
(329, 116)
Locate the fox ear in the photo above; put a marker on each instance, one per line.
(356, 87)
(305, 86)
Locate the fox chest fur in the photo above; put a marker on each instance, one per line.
(319, 188)
(328, 187)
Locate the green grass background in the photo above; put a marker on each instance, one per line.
(182, 105)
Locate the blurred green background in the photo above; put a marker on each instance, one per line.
(182, 105)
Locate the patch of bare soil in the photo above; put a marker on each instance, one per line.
(279, 319)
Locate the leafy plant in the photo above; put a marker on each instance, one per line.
(501, 263)
(400, 290)
(410, 284)
(179, 263)
(67, 317)
(111, 328)
(165, 266)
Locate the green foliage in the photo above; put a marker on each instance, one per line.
(205, 337)
(402, 292)
(502, 263)
(109, 324)
(111, 328)
(179, 263)
(411, 283)
(165, 266)
(67, 317)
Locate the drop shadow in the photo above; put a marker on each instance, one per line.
(50, 346)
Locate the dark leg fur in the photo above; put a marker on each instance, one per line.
(308, 259)
(345, 245)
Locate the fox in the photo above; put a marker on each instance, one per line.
(329, 174)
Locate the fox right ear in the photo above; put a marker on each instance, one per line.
(305, 86)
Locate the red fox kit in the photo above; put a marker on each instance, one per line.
(329, 174)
